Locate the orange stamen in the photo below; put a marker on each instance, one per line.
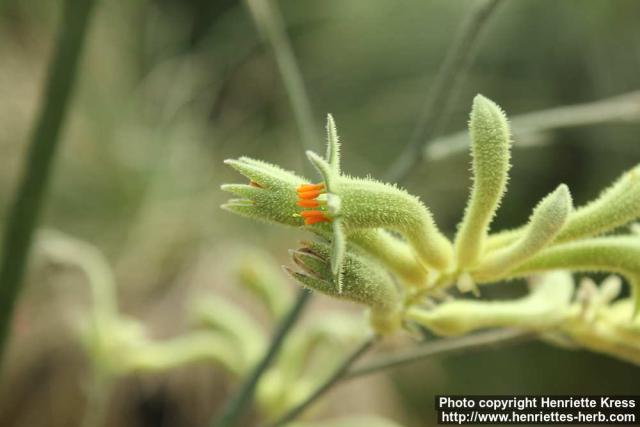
(310, 187)
(308, 203)
(315, 220)
(313, 217)
(309, 194)
(254, 184)
(307, 214)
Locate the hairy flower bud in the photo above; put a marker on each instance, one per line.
(543, 308)
(490, 143)
(394, 253)
(619, 255)
(545, 223)
(367, 203)
(617, 205)
(363, 281)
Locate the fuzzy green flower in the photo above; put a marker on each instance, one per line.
(339, 205)
(543, 309)
(270, 195)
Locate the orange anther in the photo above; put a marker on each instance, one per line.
(308, 203)
(309, 194)
(308, 214)
(254, 184)
(315, 220)
(310, 187)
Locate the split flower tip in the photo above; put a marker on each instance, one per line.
(552, 213)
(269, 195)
(563, 194)
(483, 106)
(616, 206)
(365, 281)
(489, 127)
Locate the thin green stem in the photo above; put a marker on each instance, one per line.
(446, 346)
(269, 21)
(27, 204)
(337, 375)
(444, 89)
(468, 343)
(237, 406)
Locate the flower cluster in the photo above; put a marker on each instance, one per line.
(379, 245)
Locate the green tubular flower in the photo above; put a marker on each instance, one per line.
(592, 299)
(490, 144)
(616, 206)
(598, 324)
(121, 346)
(607, 334)
(154, 356)
(620, 254)
(393, 253)
(65, 249)
(270, 195)
(332, 332)
(371, 204)
(260, 275)
(544, 308)
(546, 221)
(228, 320)
(307, 359)
(365, 282)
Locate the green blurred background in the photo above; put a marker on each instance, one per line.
(168, 89)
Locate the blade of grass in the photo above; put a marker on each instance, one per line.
(242, 399)
(28, 200)
(443, 91)
(270, 24)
